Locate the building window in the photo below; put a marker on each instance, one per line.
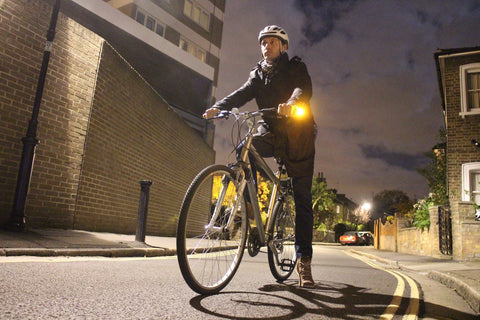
(160, 29)
(195, 12)
(150, 22)
(471, 182)
(193, 49)
(470, 89)
(140, 18)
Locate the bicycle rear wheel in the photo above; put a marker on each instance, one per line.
(281, 249)
(211, 231)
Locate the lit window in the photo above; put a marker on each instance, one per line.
(197, 14)
(470, 89)
(193, 49)
(187, 9)
(200, 54)
(473, 90)
(475, 186)
(471, 182)
(204, 20)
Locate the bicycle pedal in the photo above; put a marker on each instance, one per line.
(286, 264)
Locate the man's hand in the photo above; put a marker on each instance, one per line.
(210, 113)
(284, 109)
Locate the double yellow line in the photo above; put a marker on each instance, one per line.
(411, 313)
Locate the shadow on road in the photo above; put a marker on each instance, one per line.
(330, 300)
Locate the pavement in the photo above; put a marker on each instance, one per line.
(462, 276)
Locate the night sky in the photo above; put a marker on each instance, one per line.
(375, 97)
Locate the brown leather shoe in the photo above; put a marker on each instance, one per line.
(304, 270)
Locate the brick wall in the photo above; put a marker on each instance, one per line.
(64, 110)
(134, 136)
(469, 230)
(99, 135)
(395, 237)
(420, 242)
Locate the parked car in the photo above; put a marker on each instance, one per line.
(367, 236)
(357, 238)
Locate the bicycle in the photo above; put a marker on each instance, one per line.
(213, 224)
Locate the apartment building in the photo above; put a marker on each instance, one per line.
(173, 44)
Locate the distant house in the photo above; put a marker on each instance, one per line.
(458, 73)
(344, 207)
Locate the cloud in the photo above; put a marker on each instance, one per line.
(375, 88)
(321, 17)
(410, 162)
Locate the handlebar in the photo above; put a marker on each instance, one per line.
(225, 114)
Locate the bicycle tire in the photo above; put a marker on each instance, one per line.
(208, 253)
(281, 249)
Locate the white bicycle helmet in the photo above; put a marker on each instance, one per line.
(273, 31)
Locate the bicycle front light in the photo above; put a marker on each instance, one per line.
(298, 110)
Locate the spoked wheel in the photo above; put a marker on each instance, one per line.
(211, 231)
(281, 249)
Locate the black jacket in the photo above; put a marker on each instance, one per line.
(294, 137)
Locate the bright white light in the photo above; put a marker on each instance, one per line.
(366, 206)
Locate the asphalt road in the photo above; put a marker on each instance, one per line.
(348, 287)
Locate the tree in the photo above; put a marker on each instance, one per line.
(361, 215)
(322, 202)
(389, 202)
(436, 171)
(436, 174)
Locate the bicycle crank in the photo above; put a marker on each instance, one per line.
(254, 243)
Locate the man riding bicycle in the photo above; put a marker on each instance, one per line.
(283, 82)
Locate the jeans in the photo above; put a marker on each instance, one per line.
(302, 195)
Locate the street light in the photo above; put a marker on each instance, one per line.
(366, 206)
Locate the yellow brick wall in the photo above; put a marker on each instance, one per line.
(101, 128)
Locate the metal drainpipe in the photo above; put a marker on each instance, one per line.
(17, 221)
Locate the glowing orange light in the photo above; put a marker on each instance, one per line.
(298, 111)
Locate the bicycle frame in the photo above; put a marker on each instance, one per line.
(248, 148)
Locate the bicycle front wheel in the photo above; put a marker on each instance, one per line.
(281, 248)
(212, 230)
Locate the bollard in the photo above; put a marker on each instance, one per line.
(142, 210)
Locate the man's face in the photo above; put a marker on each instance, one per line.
(271, 47)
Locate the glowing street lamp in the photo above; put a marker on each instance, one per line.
(366, 206)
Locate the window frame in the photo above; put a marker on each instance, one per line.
(464, 71)
(202, 12)
(146, 18)
(467, 170)
(140, 12)
(193, 49)
(163, 29)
